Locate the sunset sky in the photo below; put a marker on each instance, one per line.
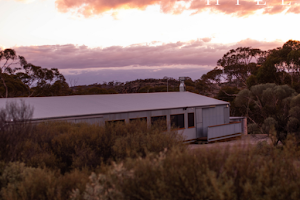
(121, 40)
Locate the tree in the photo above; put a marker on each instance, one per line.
(36, 79)
(10, 61)
(209, 81)
(270, 106)
(16, 88)
(228, 94)
(282, 64)
(238, 64)
(39, 80)
(289, 56)
(294, 113)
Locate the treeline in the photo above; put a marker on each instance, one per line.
(238, 69)
(136, 86)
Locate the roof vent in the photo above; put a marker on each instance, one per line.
(182, 86)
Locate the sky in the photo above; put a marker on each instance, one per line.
(92, 41)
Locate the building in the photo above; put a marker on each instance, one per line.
(196, 116)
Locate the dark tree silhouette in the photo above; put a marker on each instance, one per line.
(11, 64)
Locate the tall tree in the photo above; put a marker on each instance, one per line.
(38, 79)
(270, 105)
(289, 58)
(282, 65)
(11, 63)
(238, 64)
(16, 69)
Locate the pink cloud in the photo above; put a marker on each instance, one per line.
(193, 53)
(245, 8)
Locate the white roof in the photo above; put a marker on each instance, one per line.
(80, 105)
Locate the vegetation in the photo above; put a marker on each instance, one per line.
(20, 78)
(65, 146)
(261, 85)
(270, 106)
(61, 160)
(164, 169)
(261, 172)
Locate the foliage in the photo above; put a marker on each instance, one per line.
(21, 182)
(270, 105)
(241, 172)
(65, 146)
(238, 64)
(228, 94)
(208, 81)
(282, 65)
(14, 86)
(250, 171)
(27, 79)
(10, 59)
(294, 113)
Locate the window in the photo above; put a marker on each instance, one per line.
(143, 119)
(160, 121)
(114, 122)
(191, 120)
(177, 121)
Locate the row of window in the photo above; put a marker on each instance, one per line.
(177, 121)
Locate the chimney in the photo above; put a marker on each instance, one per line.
(181, 86)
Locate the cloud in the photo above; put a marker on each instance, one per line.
(26, 1)
(245, 7)
(193, 53)
(153, 60)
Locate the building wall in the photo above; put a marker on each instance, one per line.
(211, 116)
(188, 133)
(203, 117)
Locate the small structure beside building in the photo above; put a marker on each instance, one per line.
(195, 116)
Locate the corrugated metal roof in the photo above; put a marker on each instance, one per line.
(68, 106)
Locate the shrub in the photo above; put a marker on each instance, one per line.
(65, 146)
(258, 172)
(21, 182)
(14, 128)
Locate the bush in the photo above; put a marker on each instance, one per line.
(21, 182)
(65, 146)
(258, 172)
(14, 127)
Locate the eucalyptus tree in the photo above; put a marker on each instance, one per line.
(289, 58)
(36, 79)
(209, 81)
(40, 80)
(10, 63)
(271, 106)
(238, 64)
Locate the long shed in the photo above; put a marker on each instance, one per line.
(195, 116)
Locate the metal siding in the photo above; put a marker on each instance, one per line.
(211, 117)
(226, 115)
(97, 121)
(243, 120)
(199, 123)
(188, 134)
(224, 131)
